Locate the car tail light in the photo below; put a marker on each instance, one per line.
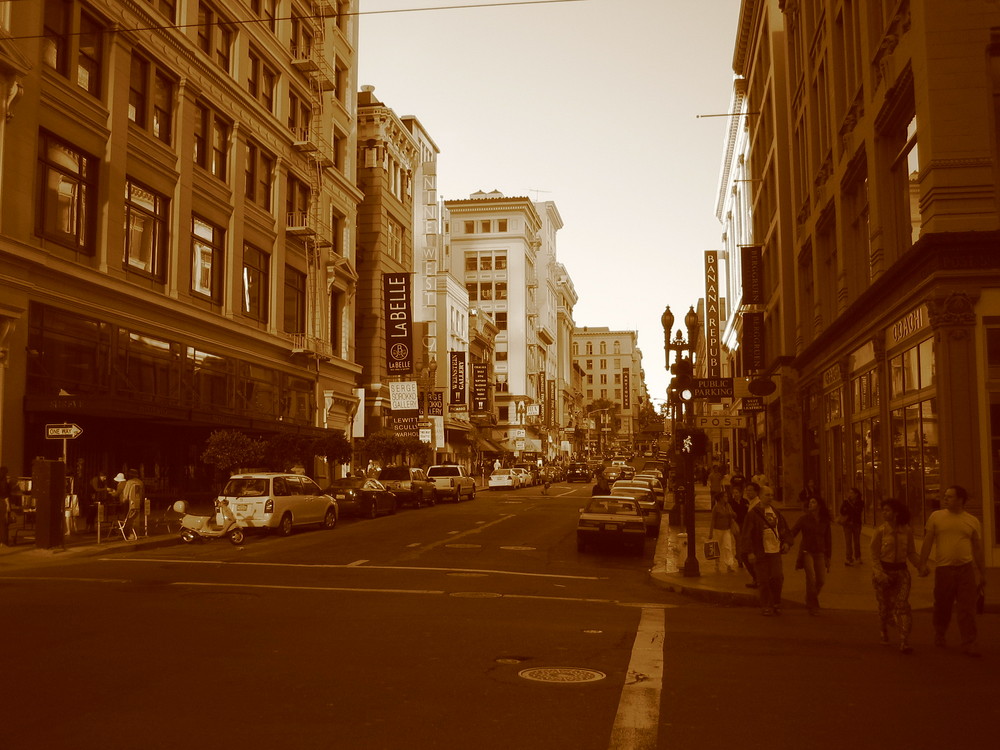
(269, 506)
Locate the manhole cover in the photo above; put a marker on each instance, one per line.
(476, 594)
(519, 549)
(561, 674)
(464, 546)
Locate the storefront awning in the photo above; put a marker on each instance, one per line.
(485, 445)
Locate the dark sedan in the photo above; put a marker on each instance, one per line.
(362, 497)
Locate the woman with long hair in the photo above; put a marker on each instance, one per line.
(814, 549)
(892, 546)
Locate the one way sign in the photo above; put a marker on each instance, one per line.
(64, 431)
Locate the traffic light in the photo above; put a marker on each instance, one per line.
(683, 383)
(692, 442)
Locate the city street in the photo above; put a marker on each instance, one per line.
(458, 626)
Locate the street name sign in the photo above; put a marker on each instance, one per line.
(62, 431)
(712, 387)
(723, 422)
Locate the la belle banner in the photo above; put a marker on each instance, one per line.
(397, 299)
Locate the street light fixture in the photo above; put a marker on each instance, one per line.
(684, 371)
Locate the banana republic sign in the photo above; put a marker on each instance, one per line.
(713, 340)
(397, 299)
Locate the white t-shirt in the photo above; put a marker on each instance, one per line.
(953, 534)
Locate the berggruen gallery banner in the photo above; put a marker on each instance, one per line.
(397, 298)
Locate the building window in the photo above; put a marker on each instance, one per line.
(259, 176)
(394, 240)
(295, 301)
(501, 288)
(473, 290)
(68, 30)
(299, 116)
(471, 261)
(297, 203)
(211, 140)
(500, 262)
(485, 262)
(501, 356)
(590, 347)
(484, 226)
(261, 80)
(603, 364)
(501, 225)
(143, 110)
(67, 206)
(145, 230)
(590, 380)
(301, 41)
(206, 259)
(256, 280)
(215, 36)
(590, 364)
(470, 227)
(265, 10)
(501, 318)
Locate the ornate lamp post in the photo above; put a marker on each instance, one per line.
(679, 345)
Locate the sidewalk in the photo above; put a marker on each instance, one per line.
(26, 554)
(846, 587)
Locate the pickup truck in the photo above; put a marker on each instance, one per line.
(409, 484)
(452, 481)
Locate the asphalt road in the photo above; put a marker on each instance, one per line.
(475, 625)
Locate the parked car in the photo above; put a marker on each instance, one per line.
(532, 471)
(279, 502)
(611, 520)
(362, 496)
(578, 473)
(628, 471)
(409, 484)
(645, 480)
(452, 481)
(504, 478)
(523, 477)
(612, 473)
(648, 504)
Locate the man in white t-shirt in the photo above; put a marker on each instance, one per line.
(961, 568)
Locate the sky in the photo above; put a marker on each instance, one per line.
(591, 104)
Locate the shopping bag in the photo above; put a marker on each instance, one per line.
(711, 550)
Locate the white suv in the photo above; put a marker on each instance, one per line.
(452, 481)
(266, 500)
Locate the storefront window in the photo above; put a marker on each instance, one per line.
(915, 459)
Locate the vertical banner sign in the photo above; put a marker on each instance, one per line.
(752, 342)
(753, 275)
(713, 342)
(404, 403)
(626, 389)
(435, 404)
(457, 381)
(396, 296)
(550, 410)
(480, 387)
(543, 412)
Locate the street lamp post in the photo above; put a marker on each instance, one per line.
(691, 567)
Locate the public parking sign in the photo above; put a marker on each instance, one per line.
(712, 388)
(62, 431)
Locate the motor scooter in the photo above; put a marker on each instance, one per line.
(222, 523)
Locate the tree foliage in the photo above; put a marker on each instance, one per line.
(386, 447)
(231, 449)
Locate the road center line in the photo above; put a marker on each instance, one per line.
(638, 717)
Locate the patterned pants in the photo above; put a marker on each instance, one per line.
(893, 596)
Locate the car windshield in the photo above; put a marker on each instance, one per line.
(614, 507)
(394, 472)
(245, 487)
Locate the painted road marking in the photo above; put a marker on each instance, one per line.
(638, 716)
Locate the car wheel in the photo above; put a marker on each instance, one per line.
(330, 519)
(433, 498)
(286, 525)
(472, 495)
(458, 495)
(236, 536)
(373, 509)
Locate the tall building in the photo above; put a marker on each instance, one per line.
(891, 266)
(613, 386)
(176, 230)
(507, 246)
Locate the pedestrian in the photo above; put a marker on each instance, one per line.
(132, 495)
(742, 503)
(116, 497)
(851, 511)
(601, 486)
(100, 492)
(814, 549)
(724, 525)
(810, 490)
(5, 508)
(715, 483)
(765, 536)
(496, 464)
(760, 478)
(960, 574)
(892, 545)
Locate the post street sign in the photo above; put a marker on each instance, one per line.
(712, 387)
(724, 422)
(62, 431)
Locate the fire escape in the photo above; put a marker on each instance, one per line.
(312, 138)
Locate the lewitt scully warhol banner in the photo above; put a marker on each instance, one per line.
(398, 323)
(457, 384)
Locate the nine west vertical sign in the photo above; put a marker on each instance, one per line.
(397, 298)
(713, 342)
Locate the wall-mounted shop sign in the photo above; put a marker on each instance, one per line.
(914, 321)
(713, 340)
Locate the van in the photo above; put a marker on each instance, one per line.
(279, 502)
